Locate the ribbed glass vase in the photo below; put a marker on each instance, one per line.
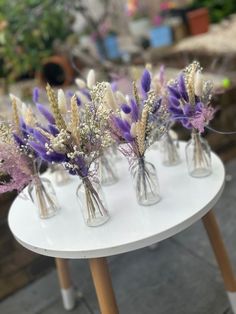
(43, 195)
(198, 156)
(107, 169)
(92, 202)
(145, 182)
(169, 151)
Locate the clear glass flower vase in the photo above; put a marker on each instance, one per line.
(169, 151)
(107, 170)
(145, 182)
(198, 156)
(92, 202)
(42, 194)
(60, 175)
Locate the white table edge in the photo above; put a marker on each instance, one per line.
(129, 246)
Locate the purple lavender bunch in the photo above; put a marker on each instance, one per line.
(139, 118)
(189, 99)
(75, 144)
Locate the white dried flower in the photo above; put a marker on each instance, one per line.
(120, 98)
(198, 84)
(17, 99)
(110, 98)
(82, 97)
(91, 79)
(61, 101)
(80, 83)
(124, 116)
(133, 129)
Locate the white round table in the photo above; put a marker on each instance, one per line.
(184, 201)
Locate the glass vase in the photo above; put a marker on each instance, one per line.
(42, 194)
(92, 202)
(107, 169)
(60, 175)
(169, 151)
(145, 182)
(198, 156)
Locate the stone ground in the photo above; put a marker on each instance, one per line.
(179, 276)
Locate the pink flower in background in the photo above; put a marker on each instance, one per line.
(14, 170)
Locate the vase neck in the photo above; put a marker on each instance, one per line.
(195, 135)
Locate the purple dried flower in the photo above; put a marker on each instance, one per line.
(18, 140)
(86, 93)
(134, 110)
(173, 91)
(53, 129)
(128, 137)
(78, 100)
(182, 87)
(125, 108)
(114, 86)
(174, 101)
(146, 81)
(69, 94)
(38, 148)
(54, 157)
(122, 125)
(35, 95)
(40, 137)
(46, 113)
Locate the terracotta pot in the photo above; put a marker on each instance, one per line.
(198, 21)
(56, 71)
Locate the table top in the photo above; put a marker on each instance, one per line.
(131, 226)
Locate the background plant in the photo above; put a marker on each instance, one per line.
(30, 30)
(218, 9)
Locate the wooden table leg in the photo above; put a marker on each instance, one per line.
(221, 255)
(103, 285)
(67, 289)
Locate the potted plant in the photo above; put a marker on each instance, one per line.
(198, 21)
(28, 38)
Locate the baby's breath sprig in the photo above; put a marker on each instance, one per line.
(6, 133)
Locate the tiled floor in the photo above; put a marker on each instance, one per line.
(179, 276)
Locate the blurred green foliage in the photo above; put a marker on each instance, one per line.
(218, 9)
(31, 28)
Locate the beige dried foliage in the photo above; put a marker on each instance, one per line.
(74, 119)
(60, 123)
(141, 131)
(15, 116)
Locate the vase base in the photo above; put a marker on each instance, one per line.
(149, 201)
(98, 221)
(200, 173)
(171, 163)
(50, 215)
(109, 182)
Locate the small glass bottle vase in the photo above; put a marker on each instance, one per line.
(198, 156)
(145, 182)
(92, 202)
(42, 194)
(107, 170)
(169, 151)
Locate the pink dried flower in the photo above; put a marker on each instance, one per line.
(202, 118)
(15, 173)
